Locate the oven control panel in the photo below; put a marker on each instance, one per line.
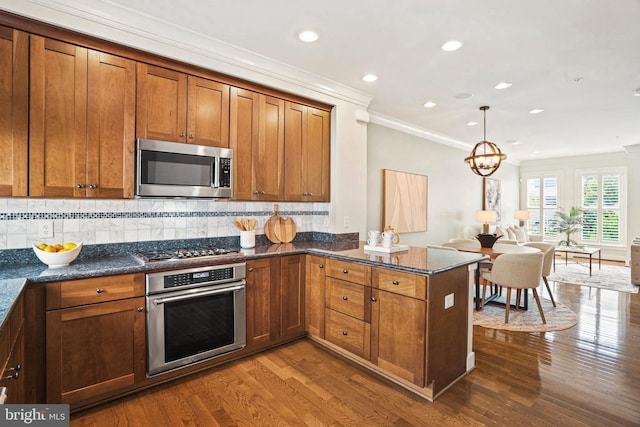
(192, 277)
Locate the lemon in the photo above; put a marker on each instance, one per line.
(63, 250)
(69, 245)
(41, 246)
(49, 248)
(58, 246)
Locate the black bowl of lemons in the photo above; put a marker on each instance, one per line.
(57, 255)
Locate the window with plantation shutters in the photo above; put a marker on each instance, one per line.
(601, 200)
(542, 204)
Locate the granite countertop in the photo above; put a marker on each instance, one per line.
(19, 267)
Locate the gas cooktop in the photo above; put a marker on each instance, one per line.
(182, 254)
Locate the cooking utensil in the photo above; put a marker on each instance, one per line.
(285, 229)
(270, 225)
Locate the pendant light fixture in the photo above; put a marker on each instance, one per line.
(485, 158)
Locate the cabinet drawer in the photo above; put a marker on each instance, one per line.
(409, 284)
(90, 291)
(349, 333)
(352, 272)
(348, 298)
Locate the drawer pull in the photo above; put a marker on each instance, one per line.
(250, 269)
(321, 266)
(345, 333)
(395, 282)
(373, 299)
(15, 374)
(140, 309)
(345, 298)
(345, 271)
(99, 290)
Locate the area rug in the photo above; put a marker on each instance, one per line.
(558, 318)
(615, 278)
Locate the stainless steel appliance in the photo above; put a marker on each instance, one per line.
(172, 169)
(194, 314)
(200, 252)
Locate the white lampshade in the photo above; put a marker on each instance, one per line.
(522, 215)
(486, 216)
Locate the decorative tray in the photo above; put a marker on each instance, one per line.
(394, 248)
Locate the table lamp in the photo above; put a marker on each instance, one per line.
(522, 216)
(486, 240)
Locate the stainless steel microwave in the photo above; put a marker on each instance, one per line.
(173, 169)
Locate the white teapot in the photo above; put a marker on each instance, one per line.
(390, 237)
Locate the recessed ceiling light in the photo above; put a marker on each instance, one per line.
(536, 111)
(430, 104)
(370, 78)
(503, 85)
(537, 152)
(472, 123)
(636, 92)
(452, 45)
(308, 36)
(513, 141)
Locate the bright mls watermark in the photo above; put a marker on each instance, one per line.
(34, 415)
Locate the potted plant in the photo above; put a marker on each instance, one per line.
(569, 223)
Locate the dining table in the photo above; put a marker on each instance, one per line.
(493, 252)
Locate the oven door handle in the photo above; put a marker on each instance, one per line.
(159, 301)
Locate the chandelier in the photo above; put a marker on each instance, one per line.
(485, 158)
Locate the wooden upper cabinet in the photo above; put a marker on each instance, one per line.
(307, 162)
(14, 113)
(173, 106)
(256, 137)
(110, 126)
(81, 122)
(58, 119)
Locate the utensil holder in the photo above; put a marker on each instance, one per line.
(248, 239)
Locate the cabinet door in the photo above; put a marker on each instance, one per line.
(58, 113)
(243, 135)
(13, 373)
(314, 295)
(110, 126)
(161, 104)
(207, 112)
(14, 112)
(315, 155)
(307, 160)
(263, 304)
(94, 349)
(398, 330)
(292, 295)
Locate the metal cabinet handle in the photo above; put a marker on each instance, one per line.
(80, 186)
(345, 271)
(321, 266)
(395, 282)
(345, 298)
(15, 374)
(99, 290)
(140, 309)
(250, 269)
(192, 135)
(373, 299)
(93, 186)
(309, 194)
(256, 192)
(262, 192)
(182, 134)
(345, 333)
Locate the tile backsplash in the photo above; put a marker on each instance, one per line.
(117, 221)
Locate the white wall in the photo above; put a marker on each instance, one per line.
(565, 168)
(455, 192)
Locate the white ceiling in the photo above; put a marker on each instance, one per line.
(579, 60)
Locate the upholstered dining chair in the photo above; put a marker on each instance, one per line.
(517, 271)
(549, 252)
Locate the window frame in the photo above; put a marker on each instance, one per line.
(541, 209)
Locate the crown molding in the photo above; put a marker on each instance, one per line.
(119, 24)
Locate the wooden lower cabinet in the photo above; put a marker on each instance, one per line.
(275, 300)
(95, 349)
(314, 295)
(12, 363)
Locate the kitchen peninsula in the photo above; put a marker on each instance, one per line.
(405, 316)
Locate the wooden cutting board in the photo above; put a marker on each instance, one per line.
(285, 229)
(270, 226)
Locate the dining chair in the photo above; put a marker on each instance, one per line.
(549, 252)
(517, 271)
(448, 248)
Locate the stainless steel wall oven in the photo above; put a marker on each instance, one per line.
(194, 314)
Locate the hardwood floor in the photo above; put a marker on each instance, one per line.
(588, 375)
